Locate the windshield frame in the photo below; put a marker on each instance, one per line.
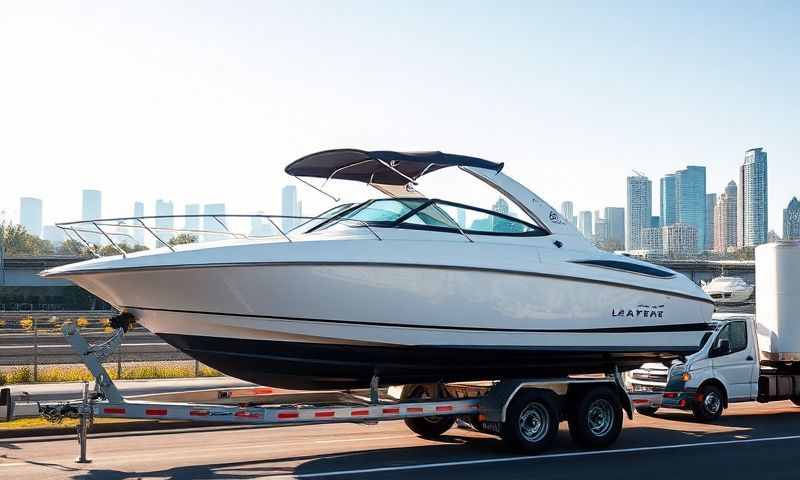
(400, 222)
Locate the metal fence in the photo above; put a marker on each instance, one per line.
(35, 340)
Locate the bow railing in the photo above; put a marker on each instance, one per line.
(161, 228)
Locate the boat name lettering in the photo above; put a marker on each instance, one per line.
(641, 311)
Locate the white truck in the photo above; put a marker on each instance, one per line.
(746, 358)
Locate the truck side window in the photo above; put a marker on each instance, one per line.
(736, 335)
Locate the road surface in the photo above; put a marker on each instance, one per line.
(750, 441)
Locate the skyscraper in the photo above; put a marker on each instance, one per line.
(261, 226)
(567, 210)
(212, 225)
(615, 225)
(655, 221)
(585, 223)
(791, 220)
(690, 187)
(92, 205)
(679, 239)
(138, 233)
(289, 208)
(191, 223)
(725, 219)
(752, 202)
(711, 202)
(164, 226)
(30, 215)
(600, 229)
(639, 210)
(653, 240)
(669, 198)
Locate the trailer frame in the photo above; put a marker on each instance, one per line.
(484, 404)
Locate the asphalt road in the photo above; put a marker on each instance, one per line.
(750, 441)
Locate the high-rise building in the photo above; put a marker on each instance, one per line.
(30, 215)
(165, 226)
(600, 229)
(725, 219)
(567, 209)
(652, 240)
(679, 240)
(53, 234)
(289, 208)
(791, 220)
(655, 221)
(138, 233)
(212, 225)
(711, 202)
(690, 188)
(615, 225)
(92, 205)
(752, 205)
(669, 198)
(638, 210)
(461, 217)
(190, 222)
(585, 223)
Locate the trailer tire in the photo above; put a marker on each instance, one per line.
(710, 403)
(595, 421)
(425, 427)
(531, 421)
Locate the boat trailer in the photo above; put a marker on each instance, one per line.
(524, 412)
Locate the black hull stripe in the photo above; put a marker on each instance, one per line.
(387, 264)
(682, 327)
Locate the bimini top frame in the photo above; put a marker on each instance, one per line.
(382, 167)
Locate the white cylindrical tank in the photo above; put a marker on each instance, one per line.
(778, 300)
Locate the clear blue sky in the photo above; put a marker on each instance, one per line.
(208, 101)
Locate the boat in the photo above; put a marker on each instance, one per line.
(725, 290)
(396, 290)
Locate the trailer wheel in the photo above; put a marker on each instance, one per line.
(596, 419)
(709, 403)
(425, 427)
(531, 422)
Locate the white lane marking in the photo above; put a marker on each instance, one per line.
(534, 457)
(362, 439)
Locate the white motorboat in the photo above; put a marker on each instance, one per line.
(727, 290)
(396, 288)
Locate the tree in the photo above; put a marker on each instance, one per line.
(72, 247)
(107, 250)
(183, 238)
(17, 241)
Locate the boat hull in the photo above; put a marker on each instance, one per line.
(334, 325)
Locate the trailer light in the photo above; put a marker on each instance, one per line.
(670, 394)
(682, 403)
(686, 376)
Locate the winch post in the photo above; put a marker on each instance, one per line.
(93, 356)
(84, 419)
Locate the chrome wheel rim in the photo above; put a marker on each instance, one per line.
(534, 422)
(600, 417)
(712, 403)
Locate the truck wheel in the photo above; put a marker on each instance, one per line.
(425, 427)
(531, 422)
(709, 403)
(596, 419)
(647, 411)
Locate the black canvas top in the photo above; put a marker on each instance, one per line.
(363, 166)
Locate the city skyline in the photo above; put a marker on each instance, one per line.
(565, 112)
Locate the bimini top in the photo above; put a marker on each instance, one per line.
(380, 167)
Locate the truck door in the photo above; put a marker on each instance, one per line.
(732, 361)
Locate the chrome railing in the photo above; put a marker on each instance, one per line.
(111, 228)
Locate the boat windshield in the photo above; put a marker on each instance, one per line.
(438, 215)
